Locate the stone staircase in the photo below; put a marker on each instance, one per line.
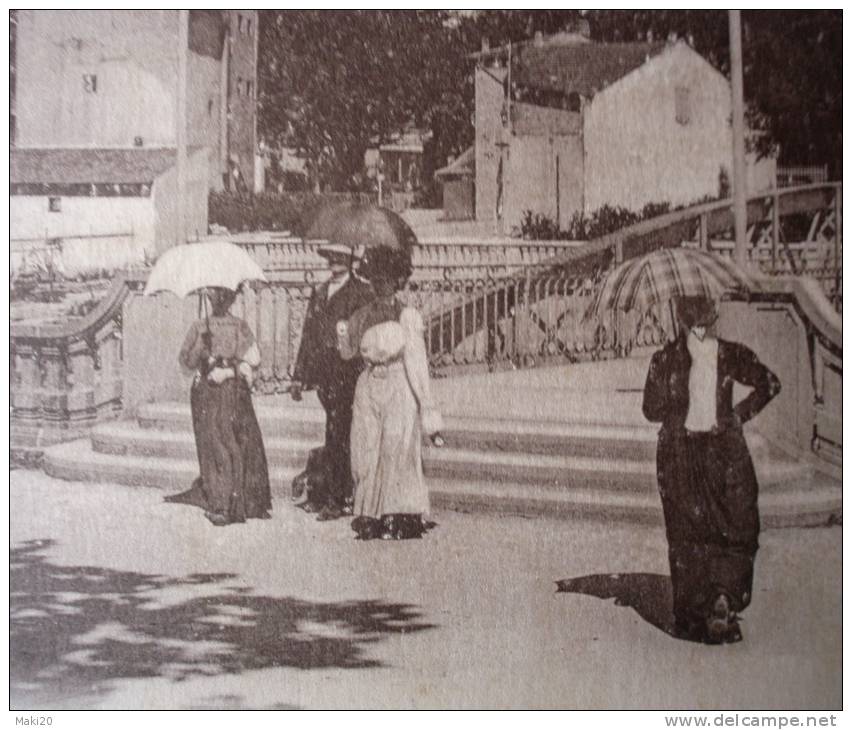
(548, 442)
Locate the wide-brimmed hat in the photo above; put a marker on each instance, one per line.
(381, 262)
(340, 251)
(696, 311)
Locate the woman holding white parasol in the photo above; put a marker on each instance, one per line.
(220, 351)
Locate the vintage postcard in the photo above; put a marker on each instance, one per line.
(426, 359)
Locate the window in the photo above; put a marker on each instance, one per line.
(239, 86)
(682, 115)
(210, 107)
(240, 24)
(54, 204)
(248, 89)
(90, 83)
(574, 103)
(248, 26)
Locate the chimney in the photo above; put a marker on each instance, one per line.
(538, 42)
(583, 28)
(486, 46)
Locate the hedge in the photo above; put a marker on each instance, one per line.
(273, 211)
(583, 227)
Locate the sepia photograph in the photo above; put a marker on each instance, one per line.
(481, 359)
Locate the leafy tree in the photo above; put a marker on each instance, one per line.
(793, 65)
(792, 69)
(334, 83)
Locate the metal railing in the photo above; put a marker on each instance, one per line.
(789, 175)
(471, 323)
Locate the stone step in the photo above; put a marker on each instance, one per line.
(557, 472)
(804, 503)
(127, 438)
(78, 461)
(631, 442)
(301, 423)
(171, 434)
(612, 458)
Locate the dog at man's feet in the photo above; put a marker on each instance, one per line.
(312, 482)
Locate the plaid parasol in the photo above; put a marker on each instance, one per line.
(658, 277)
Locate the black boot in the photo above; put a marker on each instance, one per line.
(722, 623)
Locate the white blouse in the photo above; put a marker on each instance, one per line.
(384, 342)
(703, 374)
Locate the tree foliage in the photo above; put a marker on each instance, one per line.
(334, 82)
(792, 66)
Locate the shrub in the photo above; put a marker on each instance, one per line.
(272, 211)
(536, 226)
(582, 227)
(652, 210)
(607, 219)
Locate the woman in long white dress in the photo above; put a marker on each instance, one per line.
(393, 405)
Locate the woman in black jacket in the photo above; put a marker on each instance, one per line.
(705, 472)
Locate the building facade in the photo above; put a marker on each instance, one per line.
(94, 128)
(588, 124)
(90, 210)
(109, 78)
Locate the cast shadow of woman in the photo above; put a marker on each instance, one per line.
(649, 594)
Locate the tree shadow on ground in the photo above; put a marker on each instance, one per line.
(649, 594)
(73, 629)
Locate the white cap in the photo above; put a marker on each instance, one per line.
(340, 249)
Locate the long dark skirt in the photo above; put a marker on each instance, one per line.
(709, 493)
(234, 481)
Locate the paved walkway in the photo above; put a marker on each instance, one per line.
(121, 601)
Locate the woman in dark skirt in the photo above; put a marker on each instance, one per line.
(234, 481)
(705, 472)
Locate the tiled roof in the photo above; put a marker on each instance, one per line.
(464, 164)
(89, 165)
(585, 68)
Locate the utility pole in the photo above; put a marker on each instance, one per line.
(180, 121)
(737, 111)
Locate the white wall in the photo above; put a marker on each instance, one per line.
(531, 182)
(150, 220)
(761, 174)
(635, 150)
(203, 110)
(164, 195)
(29, 218)
(133, 54)
(489, 132)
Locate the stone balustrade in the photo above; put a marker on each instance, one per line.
(64, 378)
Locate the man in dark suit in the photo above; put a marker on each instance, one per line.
(319, 365)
